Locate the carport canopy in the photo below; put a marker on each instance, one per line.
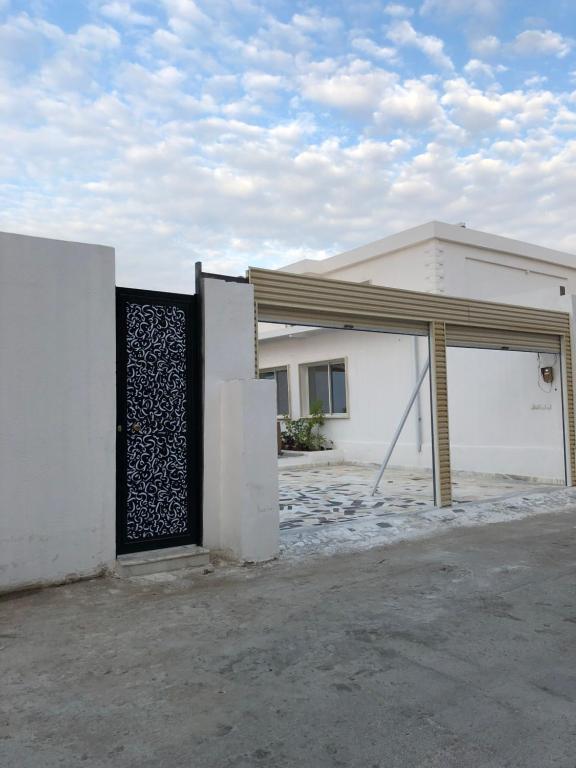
(447, 321)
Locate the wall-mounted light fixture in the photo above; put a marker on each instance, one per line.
(547, 373)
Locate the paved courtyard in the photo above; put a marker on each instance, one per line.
(341, 493)
(454, 651)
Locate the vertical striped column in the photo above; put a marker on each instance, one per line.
(568, 407)
(256, 357)
(440, 430)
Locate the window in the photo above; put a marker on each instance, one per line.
(280, 376)
(327, 386)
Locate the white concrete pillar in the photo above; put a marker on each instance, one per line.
(249, 513)
(228, 317)
(240, 514)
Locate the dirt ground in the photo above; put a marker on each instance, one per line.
(457, 650)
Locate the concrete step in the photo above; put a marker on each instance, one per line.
(162, 560)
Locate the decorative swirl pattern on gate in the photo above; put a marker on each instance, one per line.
(156, 403)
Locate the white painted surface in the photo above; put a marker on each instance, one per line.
(305, 459)
(249, 493)
(488, 274)
(381, 376)
(57, 410)
(443, 235)
(414, 268)
(501, 420)
(240, 487)
(457, 261)
(503, 417)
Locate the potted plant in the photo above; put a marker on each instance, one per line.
(304, 434)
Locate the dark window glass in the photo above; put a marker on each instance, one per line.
(318, 387)
(338, 384)
(280, 376)
(282, 403)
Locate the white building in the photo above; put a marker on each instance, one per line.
(505, 417)
(85, 459)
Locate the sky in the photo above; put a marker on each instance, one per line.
(259, 132)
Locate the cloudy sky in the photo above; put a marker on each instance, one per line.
(257, 132)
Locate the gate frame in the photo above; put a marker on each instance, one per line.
(306, 300)
(194, 419)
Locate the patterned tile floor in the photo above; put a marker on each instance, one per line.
(336, 494)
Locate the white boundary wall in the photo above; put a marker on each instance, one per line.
(57, 410)
(241, 518)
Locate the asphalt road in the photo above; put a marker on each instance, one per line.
(457, 650)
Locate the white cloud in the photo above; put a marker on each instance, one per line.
(261, 81)
(124, 13)
(486, 46)
(281, 35)
(158, 195)
(60, 62)
(476, 68)
(23, 38)
(413, 103)
(536, 81)
(403, 33)
(164, 143)
(377, 95)
(278, 45)
(479, 111)
(485, 8)
(328, 195)
(93, 36)
(186, 10)
(397, 10)
(138, 79)
(364, 44)
(356, 88)
(315, 22)
(535, 22)
(258, 54)
(534, 42)
(187, 21)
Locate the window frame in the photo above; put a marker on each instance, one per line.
(273, 369)
(304, 386)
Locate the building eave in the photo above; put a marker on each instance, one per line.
(432, 230)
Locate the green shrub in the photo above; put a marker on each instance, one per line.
(304, 434)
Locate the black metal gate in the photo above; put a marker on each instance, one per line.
(158, 371)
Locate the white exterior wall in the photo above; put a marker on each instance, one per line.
(495, 276)
(413, 268)
(381, 375)
(502, 418)
(450, 259)
(240, 468)
(57, 410)
(501, 421)
(456, 269)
